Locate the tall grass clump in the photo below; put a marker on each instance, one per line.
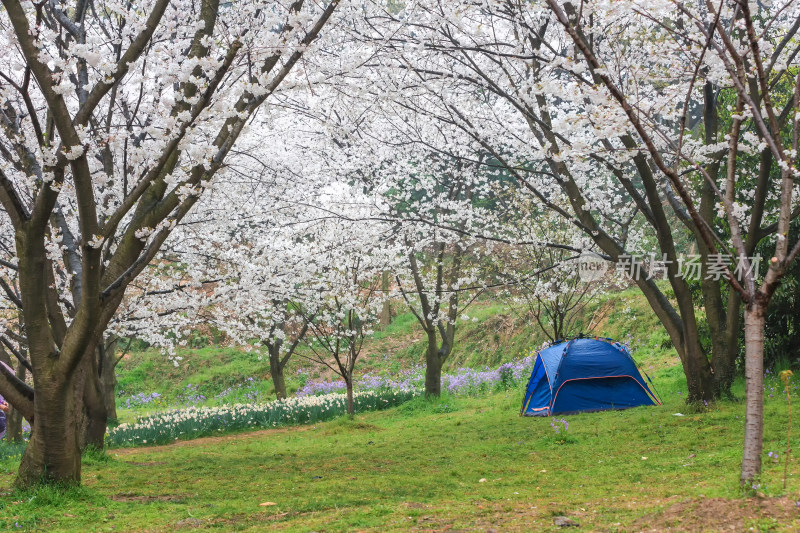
(11, 451)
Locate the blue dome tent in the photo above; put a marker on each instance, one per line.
(584, 374)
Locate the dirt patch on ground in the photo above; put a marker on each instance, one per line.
(719, 514)
(205, 441)
(147, 498)
(678, 515)
(237, 521)
(416, 505)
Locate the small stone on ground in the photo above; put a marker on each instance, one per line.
(188, 522)
(563, 521)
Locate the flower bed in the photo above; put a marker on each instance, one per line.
(462, 381)
(194, 422)
(315, 401)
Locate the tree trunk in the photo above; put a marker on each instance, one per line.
(91, 416)
(700, 380)
(14, 418)
(754, 319)
(558, 325)
(107, 354)
(96, 416)
(53, 453)
(725, 363)
(433, 368)
(276, 371)
(683, 332)
(351, 408)
(386, 310)
(14, 426)
(696, 366)
(716, 316)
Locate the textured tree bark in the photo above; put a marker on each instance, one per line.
(93, 407)
(699, 377)
(90, 414)
(276, 372)
(351, 408)
(386, 310)
(433, 367)
(14, 417)
(108, 378)
(53, 453)
(725, 363)
(754, 319)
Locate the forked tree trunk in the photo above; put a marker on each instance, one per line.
(53, 453)
(699, 377)
(754, 320)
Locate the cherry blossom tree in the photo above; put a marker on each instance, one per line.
(439, 280)
(490, 74)
(546, 284)
(345, 317)
(116, 117)
(719, 48)
(431, 183)
(506, 75)
(638, 123)
(264, 285)
(343, 299)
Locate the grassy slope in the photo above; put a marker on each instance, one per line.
(419, 466)
(497, 335)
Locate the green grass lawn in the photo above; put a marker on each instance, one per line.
(459, 463)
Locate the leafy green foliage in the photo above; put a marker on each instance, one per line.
(93, 455)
